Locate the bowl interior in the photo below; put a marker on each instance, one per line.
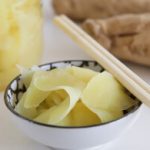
(16, 88)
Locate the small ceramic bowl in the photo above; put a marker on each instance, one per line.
(67, 138)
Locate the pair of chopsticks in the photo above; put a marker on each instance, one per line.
(123, 74)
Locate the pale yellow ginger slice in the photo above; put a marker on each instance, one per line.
(80, 116)
(34, 96)
(83, 74)
(58, 77)
(83, 116)
(56, 97)
(55, 114)
(26, 112)
(106, 97)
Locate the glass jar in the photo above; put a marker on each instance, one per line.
(20, 36)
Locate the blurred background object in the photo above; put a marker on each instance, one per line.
(84, 9)
(126, 36)
(121, 26)
(20, 36)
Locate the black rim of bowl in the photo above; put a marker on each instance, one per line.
(11, 109)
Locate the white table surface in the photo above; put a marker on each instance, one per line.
(59, 47)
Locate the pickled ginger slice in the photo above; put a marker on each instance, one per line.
(27, 74)
(58, 112)
(80, 116)
(83, 74)
(56, 97)
(107, 115)
(42, 107)
(45, 80)
(66, 122)
(34, 96)
(105, 96)
(29, 113)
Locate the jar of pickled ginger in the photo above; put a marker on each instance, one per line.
(20, 36)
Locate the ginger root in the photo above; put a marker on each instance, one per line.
(126, 36)
(83, 9)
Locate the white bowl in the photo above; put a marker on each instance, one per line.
(67, 138)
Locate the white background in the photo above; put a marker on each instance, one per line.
(59, 47)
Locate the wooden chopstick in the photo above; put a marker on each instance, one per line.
(114, 60)
(128, 78)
